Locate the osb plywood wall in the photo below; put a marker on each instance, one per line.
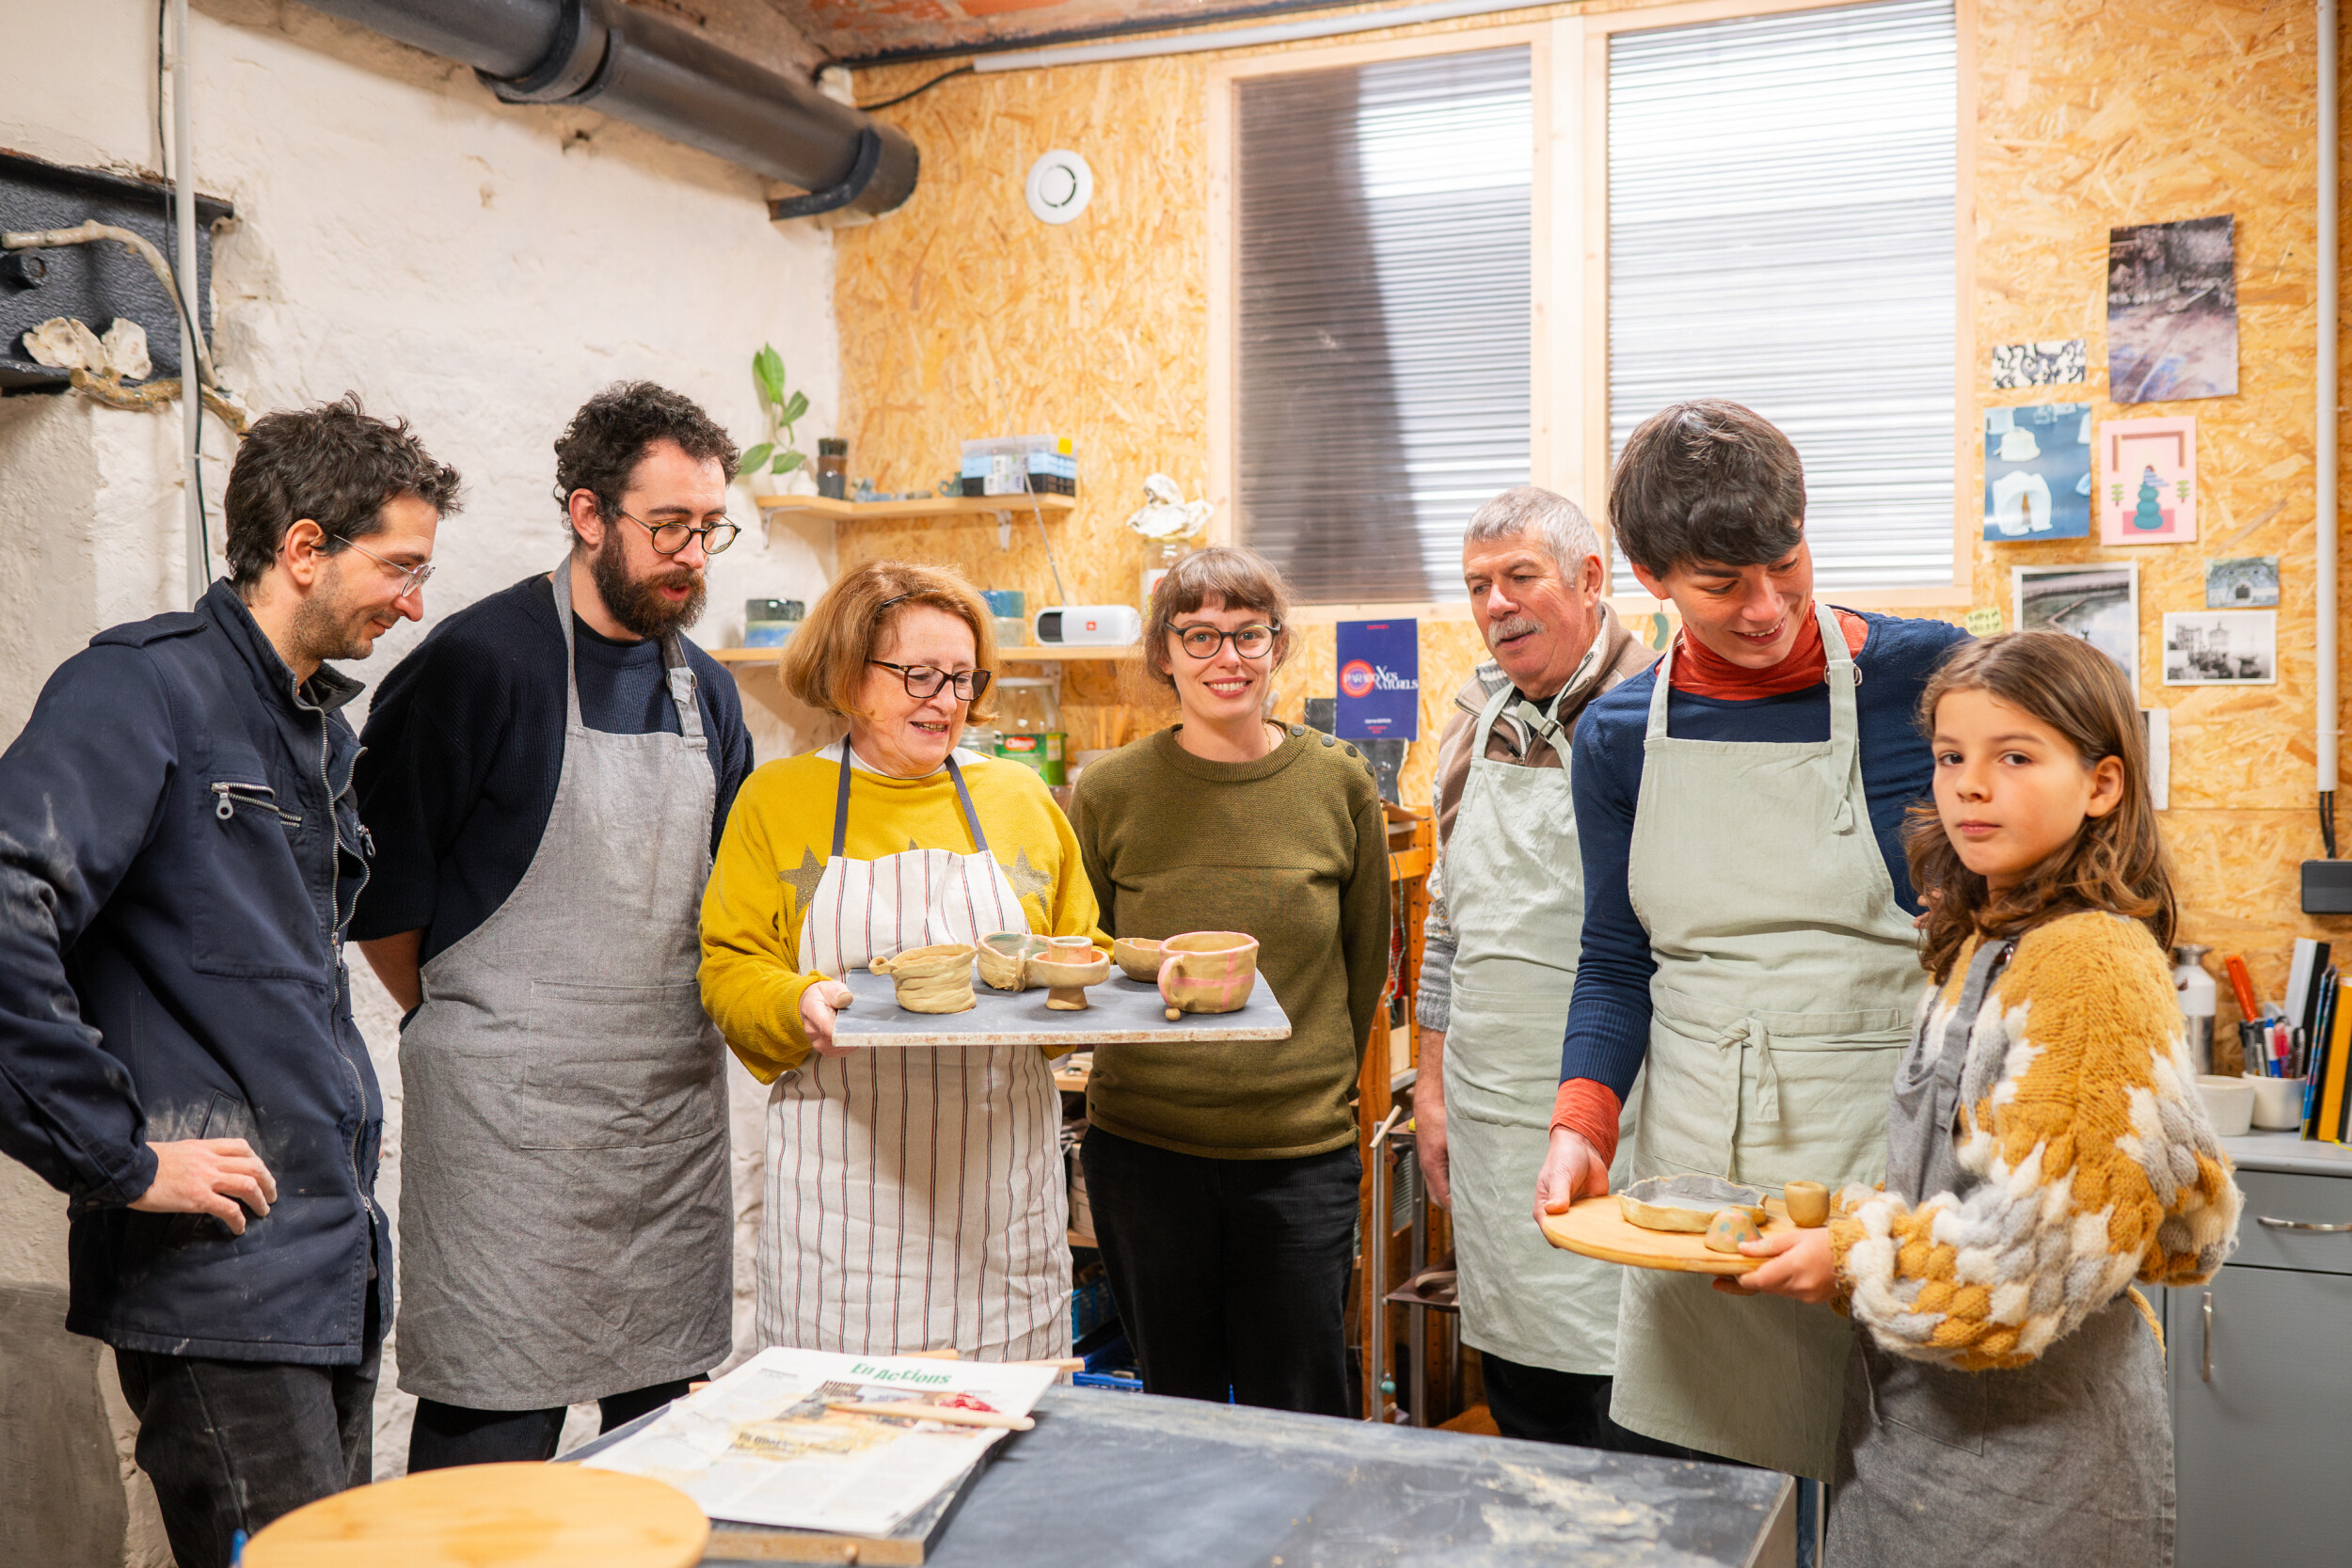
(961, 315)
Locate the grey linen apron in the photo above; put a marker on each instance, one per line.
(566, 1214)
(1779, 1007)
(1515, 890)
(2065, 1460)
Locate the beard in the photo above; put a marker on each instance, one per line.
(637, 602)
(326, 627)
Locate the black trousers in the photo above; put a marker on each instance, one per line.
(232, 1444)
(1230, 1274)
(1542, 1406)
(446, 1434)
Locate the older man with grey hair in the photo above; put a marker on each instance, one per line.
(1506, 917)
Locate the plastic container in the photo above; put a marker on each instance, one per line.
(1009, 609)
(2278, 1103)
(1015, 465)
(2229, 1101)
(770, 622)
(2198, 997)
(1029, 732)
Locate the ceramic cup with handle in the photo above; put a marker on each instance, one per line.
(1208, 971)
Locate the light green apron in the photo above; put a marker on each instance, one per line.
(1515, 892)
(1781, 1005)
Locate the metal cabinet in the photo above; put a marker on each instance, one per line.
(2260, 1366)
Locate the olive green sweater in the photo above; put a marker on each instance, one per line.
(1291, 849)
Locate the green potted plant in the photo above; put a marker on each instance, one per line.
(782, 407)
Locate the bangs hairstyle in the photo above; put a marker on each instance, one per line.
(1708, 480)
(825, 663)
(2116, 862)
(1238, 578)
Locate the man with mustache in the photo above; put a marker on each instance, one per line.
(1505, 912)
(546, 777)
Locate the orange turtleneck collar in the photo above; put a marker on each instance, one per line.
(1704, 672)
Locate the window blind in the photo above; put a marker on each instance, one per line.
(1383, 216)
(1781, 233)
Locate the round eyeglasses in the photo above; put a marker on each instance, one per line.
(924, 680)
(1250, 641)
(411, 578)
(670, 538)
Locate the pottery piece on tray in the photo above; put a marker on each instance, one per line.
(1808, 1203)
(1727, 1228)
(1208, 971)
(1139, 957)
(1686, 1202)
(933, 979)
(1004, 957)
(1066, 969)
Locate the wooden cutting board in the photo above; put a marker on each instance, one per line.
(1596, 1228)
(491, 1516)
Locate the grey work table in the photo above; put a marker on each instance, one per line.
(2287, 1151)
(1118, 1011)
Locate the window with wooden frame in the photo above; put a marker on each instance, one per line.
(1758, 199)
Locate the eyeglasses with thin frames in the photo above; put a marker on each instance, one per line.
(1250, 641)
(411, 578)
(924, 680)
(670, 538)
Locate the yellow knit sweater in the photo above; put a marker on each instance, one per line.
(779, 837)
(2095, 1161)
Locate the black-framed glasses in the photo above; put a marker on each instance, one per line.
(670, 538)
(411, 578)
(1250, 641)
(924, 680)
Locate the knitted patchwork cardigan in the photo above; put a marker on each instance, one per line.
(2092, 1158)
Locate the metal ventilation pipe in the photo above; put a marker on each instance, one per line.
(643, 69)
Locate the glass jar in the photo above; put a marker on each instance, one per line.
(833, 466)
(1029, 720)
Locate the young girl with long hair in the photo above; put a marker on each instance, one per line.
(2046, 1147)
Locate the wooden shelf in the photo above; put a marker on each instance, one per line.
(1079, 653)
(938, 506)
(747, 655)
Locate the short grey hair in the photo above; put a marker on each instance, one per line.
(1558, 524)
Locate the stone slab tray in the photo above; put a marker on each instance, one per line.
(1119, 1011)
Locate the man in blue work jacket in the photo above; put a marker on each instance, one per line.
(180, 853)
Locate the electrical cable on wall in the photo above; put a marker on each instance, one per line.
(194, 338)
(893, 103)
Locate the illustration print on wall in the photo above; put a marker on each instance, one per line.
(2243, 582)
(2097, 601)
(2172, 310)
(2057, 363)
(2221, 647)
(2148, 481)
(2037, 471)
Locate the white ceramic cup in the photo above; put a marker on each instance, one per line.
(2278, 1103)
(2229, 1101)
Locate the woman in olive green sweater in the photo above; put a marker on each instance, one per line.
(1223, 1177)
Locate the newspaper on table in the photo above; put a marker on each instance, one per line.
(764, 1446)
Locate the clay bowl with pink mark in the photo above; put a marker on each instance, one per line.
(1066, 969)
(1208, 971)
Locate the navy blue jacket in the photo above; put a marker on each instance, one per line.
(180, 852)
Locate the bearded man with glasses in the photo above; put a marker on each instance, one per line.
(546, 777)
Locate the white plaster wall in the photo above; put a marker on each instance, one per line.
(476, 268)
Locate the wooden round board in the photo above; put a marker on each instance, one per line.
(491, 1516)
(1597, 1228)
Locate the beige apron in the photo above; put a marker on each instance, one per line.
(914, 1197)
(1515, 892)
(1780, 1007)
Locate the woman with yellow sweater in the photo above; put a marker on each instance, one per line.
(2046, 1147)
(914, 1196)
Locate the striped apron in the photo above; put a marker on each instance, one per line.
(914, 1196)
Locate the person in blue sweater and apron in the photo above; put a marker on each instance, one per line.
(1748, 945)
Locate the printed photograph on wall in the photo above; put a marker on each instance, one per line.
(2242, 582)
(2058, 362)
(2220, 647)
(2097, 601)
(2172, 310)
(2036, 472)
(2148, 481)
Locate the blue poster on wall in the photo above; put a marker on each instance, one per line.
(1379, 679)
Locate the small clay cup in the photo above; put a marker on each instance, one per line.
(1004, 958)
(1808, 1203)
(933, 979)
(1139, 957)
(1728, 1228)
(1066, 970)
(1208, 971)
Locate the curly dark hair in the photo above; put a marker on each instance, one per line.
(336, 465)
(602, 446)
(1707, 479)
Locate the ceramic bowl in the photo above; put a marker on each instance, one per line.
(1727, 1228)
(1208, 971)
(1067, 976)
(1004, 958)
(2278, 1103)
(2229, 1101)
(1139, 957)
(933, 979)
(1686, 1203)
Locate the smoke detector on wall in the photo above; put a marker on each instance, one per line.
(1059, 186)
